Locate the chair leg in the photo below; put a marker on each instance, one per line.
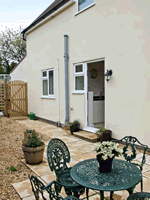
(87, 193)
(142, 185)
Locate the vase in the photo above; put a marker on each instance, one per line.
(104, 166)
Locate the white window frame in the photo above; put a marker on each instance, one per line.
(78, 11)
(78, 74)
(47, 78)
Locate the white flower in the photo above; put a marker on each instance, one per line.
(108, 150)
(104, 157)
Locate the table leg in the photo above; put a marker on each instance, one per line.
(111, 195)
(102, 195)
(130, 190)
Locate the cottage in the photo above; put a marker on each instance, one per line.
(71, 46)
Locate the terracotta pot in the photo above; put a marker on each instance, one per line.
(33, 155)
(104, 166)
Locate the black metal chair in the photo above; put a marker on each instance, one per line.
(139, 196)
(58, 156)
(49, 191)
(129, 151)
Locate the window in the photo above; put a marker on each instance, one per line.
(84, 3)
(48, 82)
(79, 77)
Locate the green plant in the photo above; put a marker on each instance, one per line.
(32, 139)
(75, 122)
(68, 124)
(13, 169)
(102, 129)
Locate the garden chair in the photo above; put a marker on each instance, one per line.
(139, 196)
(129, 151)
(58, 156)
(49, 191)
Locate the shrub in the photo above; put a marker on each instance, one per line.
(32, 139)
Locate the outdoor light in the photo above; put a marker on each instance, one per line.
(108, 74)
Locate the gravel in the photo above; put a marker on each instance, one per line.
(11, 135)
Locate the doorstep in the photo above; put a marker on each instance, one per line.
(87, 136)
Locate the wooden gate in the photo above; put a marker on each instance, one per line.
(15, 97)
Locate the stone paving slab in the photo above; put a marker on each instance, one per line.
(23, 188)
(79, 150)
(39, 169)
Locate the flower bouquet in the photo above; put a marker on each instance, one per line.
(106, 151)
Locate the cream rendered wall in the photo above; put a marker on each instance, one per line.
(116, 30)
(21, 72)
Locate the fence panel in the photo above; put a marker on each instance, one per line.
(2, 104)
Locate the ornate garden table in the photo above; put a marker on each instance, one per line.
(124, 176)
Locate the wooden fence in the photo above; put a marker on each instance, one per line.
(2, 105)
(14, 100)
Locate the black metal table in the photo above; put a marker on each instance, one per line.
(124, 176)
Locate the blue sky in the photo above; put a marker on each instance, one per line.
(15, 12)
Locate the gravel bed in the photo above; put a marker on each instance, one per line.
(11, 135)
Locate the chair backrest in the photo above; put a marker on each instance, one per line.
(38, 188)
(49, 191)
(58, 156)
(139, 196)
(130, 149)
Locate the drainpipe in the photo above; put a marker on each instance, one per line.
(66, 78)
(58, 95)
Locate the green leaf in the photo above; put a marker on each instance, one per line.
(13, 169)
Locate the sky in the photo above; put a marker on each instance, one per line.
(15, 13)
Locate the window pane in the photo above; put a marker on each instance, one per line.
(45, 88)
(84, 3)
(78, 68)
(51, 89)
(44, 74)
(79, 83)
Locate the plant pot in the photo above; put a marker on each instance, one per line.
(106, 136)
(104, 166)
(74, 128)
(33, 155)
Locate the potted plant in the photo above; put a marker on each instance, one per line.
(106, 151)
(67, 126)
(75, 126)
(33, 147)
(104, 134)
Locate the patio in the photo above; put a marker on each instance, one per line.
(80, 150)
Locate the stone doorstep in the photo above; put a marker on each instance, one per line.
(87, 136)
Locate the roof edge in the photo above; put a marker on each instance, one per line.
(43, 16)
(18, 64)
